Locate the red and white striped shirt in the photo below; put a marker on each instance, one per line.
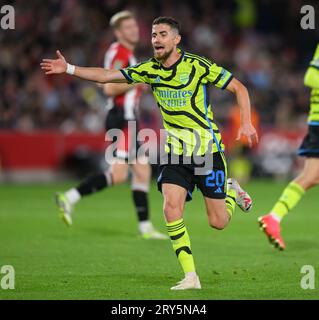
(118, 57)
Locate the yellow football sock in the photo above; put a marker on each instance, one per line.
(230, 201)
(288, 199)
(181, 244)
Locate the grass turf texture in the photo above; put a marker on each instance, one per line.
(102, 257)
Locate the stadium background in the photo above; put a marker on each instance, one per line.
(52, 128)
(264, 48)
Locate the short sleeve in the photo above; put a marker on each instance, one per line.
(315, 60)
(219, 76)
(137, 73)
(311, 78)
(116, 60)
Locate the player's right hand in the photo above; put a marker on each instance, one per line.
(54, 66)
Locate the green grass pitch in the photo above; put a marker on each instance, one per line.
(102, 257)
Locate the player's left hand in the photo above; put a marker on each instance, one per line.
(248, 131)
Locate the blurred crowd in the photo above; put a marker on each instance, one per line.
(261, 42)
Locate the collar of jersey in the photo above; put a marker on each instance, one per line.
(175, 64)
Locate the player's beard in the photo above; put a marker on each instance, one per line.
(162, 57)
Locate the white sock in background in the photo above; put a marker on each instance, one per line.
(73, 196)
(145, 226)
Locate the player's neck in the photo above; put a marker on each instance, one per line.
(127, 45)
(171, 59)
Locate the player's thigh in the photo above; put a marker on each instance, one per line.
(119, 171)
(141, 171)
(309, 148)
(174, 201)
(311, 170)
(213, 185)
(216, 212)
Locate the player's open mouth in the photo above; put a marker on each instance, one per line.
(158, 48)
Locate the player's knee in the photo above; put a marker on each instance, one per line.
(141, 173)
(171, 207)
(219, 225)
(218, 222)
(119, 176)
(142, 177)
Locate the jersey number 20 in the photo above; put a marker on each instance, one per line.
(215, 179)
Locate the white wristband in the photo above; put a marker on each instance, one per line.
(70, 68)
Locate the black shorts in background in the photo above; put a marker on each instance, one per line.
(310, 145)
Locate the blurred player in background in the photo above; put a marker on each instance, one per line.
(179, 81)
(123, 99)
(309, 177)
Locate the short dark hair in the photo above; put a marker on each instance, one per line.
(174, 24)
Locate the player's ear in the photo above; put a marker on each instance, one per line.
(177, 39)
(117, 33)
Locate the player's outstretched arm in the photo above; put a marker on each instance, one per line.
(246, 128)
(100, 75)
